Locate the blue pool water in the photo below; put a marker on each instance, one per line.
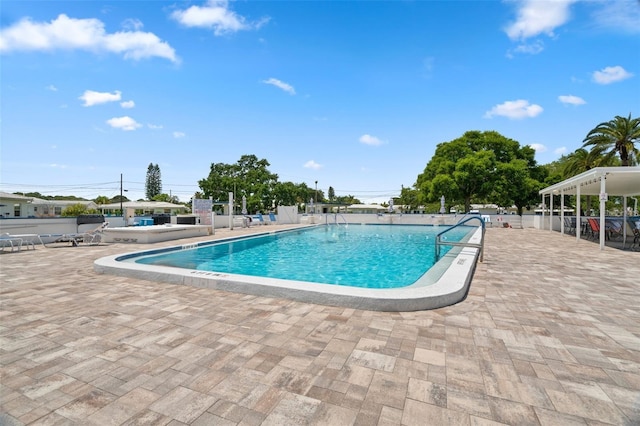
(370, 256)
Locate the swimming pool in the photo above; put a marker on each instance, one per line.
(254, 265)
(373, 256)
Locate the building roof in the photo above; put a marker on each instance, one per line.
(618, 181)
(9, 196)
(142, 205)
(367, 207)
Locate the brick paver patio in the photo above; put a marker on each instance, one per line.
(549, 335)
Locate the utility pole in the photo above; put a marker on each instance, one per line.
(121, 211)
(315, 207)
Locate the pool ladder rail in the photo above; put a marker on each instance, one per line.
(335, 219)
(480, 246)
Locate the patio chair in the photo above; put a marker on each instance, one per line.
(272, 218)
(614, 228)
(260, 219)
(593, 228)
(633, 230)
(570, 225)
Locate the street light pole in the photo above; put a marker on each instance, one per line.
(121, 211)
(315, 204)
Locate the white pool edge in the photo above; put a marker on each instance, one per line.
(451, 287)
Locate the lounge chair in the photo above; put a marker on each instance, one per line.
(91, 237)
(7, 240)
(260, 219)
(272, 218)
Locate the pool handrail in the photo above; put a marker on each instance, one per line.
(480, 246)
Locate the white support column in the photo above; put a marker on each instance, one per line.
(231, 210)
(213, 218)
(542, 220)
(624, 221)
(578, 215)
(551, 211)
(562, 212)
(603, 192)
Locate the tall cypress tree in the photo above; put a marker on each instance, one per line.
(153, 185)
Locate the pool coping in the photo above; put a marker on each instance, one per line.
(450, 288)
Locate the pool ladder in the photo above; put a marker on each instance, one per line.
(480, 246)
(335, 219)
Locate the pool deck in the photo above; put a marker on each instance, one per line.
(549, 335)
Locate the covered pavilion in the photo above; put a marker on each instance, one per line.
(600, 181)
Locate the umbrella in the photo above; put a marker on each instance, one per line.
(244, 204)
(442, 209)
(391, 205)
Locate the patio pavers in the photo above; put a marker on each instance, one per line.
(548, 335)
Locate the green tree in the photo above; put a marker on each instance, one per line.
(166, 198)
(410, 198)
(347, 200)
(249, 177)
(102, 199)
(331, 194)
(616, 136)
(153, 184)
(117, 199)
(290, 194)
(515, 186)
(470, 169)
(77, 210)
(580, 161)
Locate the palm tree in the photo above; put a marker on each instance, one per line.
(616, 136)
(581, 160)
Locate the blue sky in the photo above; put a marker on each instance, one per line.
(353, 94)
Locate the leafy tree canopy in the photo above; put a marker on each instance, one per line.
(77, 210)
(479, 166)
(166, 198)
(249, 177)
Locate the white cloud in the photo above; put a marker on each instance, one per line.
(312, 165)
(132, 24)
(91, 98)
(52, 88)
(610, 75)
(84, 34)
(179, 135)
(618, 15)
(532, 48)
(280, 84)
(58, 166)
(514, 110)
(560, 151)
(216, 14)
(127, 104)
(370, 140)
(538, 147)
(572, 100)
(535, 17)
(154, 126)
(124, 123)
